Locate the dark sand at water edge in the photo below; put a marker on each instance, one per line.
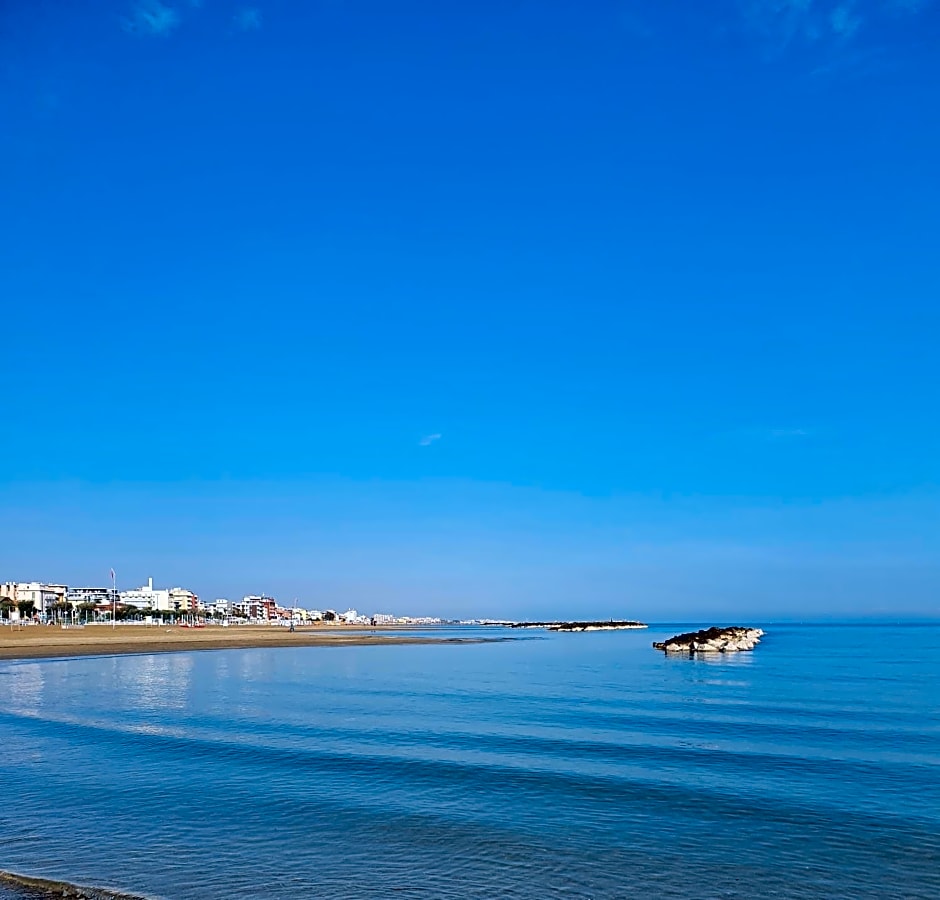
(48, 641)
(17, 886)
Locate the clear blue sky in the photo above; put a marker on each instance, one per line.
(515, 308)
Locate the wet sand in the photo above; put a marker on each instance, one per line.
(48, 641)
(15, 885)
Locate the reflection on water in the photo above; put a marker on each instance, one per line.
(574, 766)
(25, 690)
(163, 680)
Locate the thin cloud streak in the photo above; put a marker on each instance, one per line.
(844, 21)
(429, 439)
(247, 19)
(784, 23)
(152, 18)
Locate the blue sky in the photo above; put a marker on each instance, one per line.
(475, 308)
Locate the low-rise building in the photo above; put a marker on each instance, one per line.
(97, 595)
(221, 607)
(352, 617)
(43, 596)
(8, 592)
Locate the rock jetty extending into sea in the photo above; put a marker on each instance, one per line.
(580, 626)
(712, 640)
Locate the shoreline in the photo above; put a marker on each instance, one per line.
(46, 642)
(27, 886)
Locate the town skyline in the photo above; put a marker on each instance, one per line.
(55, 601)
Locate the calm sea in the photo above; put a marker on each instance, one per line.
(561, 765)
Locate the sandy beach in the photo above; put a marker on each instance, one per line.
(47, 641)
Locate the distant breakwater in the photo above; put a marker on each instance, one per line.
(611, 625)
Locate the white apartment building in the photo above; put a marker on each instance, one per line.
(43, 596)
(147, 597)
(221, 607)
(96, 595)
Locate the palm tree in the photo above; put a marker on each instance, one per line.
(6, 608)
(26, 608)
(87, 609)
(61, 609)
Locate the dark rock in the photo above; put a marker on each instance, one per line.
(712, 640)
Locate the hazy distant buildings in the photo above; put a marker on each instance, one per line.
(47, 602)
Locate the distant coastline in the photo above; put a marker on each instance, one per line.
(610, 625)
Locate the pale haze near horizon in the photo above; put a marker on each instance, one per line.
(408, 548)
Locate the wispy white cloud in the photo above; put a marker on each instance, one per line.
(844, 21)
(152, 18)
(429, 439)
(247, 19)
(784, 23)
(780, 22)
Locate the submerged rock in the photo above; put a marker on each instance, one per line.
(712, 640)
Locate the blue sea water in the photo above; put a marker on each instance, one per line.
(559, 765)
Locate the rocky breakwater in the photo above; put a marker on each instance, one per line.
(611, 625)
(712, 640)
